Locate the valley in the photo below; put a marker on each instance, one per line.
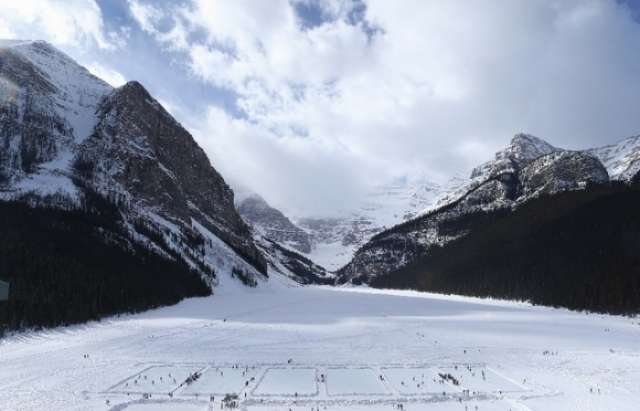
(139, 279)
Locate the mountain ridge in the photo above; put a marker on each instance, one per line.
(524, 170)
(112, 157)
(120, 142)
(284, 244)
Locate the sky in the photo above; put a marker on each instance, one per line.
(312, 102)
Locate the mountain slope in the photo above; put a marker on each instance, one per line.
(526, 169)
(65, 129)
(75, 265)
(291, 264)
(335, 238)
(272, 223)
(70, 142)
(280, 241)
(47, 107)
(575, 249)
(622, 160)
(330, 241)
(138, 151)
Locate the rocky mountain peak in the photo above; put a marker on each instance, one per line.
(525, 140)
(527, 169)
(133, 91)
(48, 106)
(135, 86)
(67, 133)
(525, 147)
(45, 70)
(272, 223)
(139, 147)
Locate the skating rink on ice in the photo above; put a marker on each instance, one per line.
(281, 347)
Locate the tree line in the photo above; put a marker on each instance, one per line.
(72, 265)
(576, 249)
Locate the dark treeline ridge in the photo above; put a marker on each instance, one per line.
(576, 249)
(77, 264)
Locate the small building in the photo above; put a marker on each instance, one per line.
(4, 290)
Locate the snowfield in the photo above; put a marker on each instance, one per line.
(281, 347)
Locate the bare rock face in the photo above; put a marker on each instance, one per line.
(499, 188)
(280, 241)
(140, 151)
(32, 132)
(272, 224)
(562, 170)
(525, 148)
(28, 137)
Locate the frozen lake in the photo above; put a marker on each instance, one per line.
(279, 347)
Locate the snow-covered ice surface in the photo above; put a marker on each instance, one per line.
(288, 339)
(354, 381)
(153, 405)
(295, 382)
(156, 379)
(492, 405)
(221, 380)
(421, 380)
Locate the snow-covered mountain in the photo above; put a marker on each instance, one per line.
(335, 238)
(47, 108)
(66, 135)
(622, 160)
(331, 240)
(272, 223)
(522, 150)
(527, 169)
(281, 241)
(292, 264)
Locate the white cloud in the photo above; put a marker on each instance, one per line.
(146, 15)
(370, 89)
(111, 76)
(5, 31)
(63, 22)
(437, 87)
(149, 17)
(236, 144)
